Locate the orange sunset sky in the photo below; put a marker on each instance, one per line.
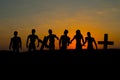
(96, 16)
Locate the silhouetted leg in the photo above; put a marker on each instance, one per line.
(51, 46)
(90, 50)
(17, 50)
(78, 48)
(34, 49)
(63, 48)
(29, 49)
(14, 50)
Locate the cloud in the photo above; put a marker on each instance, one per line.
(108, 11)
(115, 10)
(100, 12)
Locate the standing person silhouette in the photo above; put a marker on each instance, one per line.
(32, 37)
(90, 40)
(51, 37)
(15, 43)
(64, 41)
(78, 38)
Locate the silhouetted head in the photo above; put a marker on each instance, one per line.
(89, 34)
(33, 31)
(66, 32)
(78, 32)
(15, 33)
(50, 31)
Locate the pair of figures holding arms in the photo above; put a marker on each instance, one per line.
(79, 38)
(51, 37)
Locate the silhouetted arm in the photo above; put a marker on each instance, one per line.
(68, 41)
(85, 41)
(60, 42)
(40, 41)
(10, 44)
(72, 39)
(95, 43)
(37, 41)
(45, 41)
(82, 40)
(47, 38)
(27, 42)
(56, 37)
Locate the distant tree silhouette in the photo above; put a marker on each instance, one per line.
(32, 38)
(64, 41)
(90, 40)
(15, 43)
(51, 37)
(78, 38)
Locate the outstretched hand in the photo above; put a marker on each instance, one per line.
(70, 42)
(83, 45)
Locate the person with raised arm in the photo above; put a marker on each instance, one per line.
(79, 40)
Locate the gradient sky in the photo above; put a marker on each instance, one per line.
(97, 16)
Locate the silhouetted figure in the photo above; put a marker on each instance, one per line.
(32, 38)
(51, 37)
(106, 42)
(90, 40)
(65, 40)
(79, 39)
(44, 43)
(15, 43)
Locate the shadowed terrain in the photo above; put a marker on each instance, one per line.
(111, 56)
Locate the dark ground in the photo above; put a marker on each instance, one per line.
(111, 56)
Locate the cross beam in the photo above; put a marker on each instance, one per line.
(106, 42)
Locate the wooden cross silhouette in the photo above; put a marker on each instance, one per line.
(106, 42)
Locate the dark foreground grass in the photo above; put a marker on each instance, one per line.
(111, 56)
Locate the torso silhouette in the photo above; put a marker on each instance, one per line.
(51, 39)
(78, 41)
(90, 41)
(65, 41)
(16, 42)
(32, 40)
(78, 38)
